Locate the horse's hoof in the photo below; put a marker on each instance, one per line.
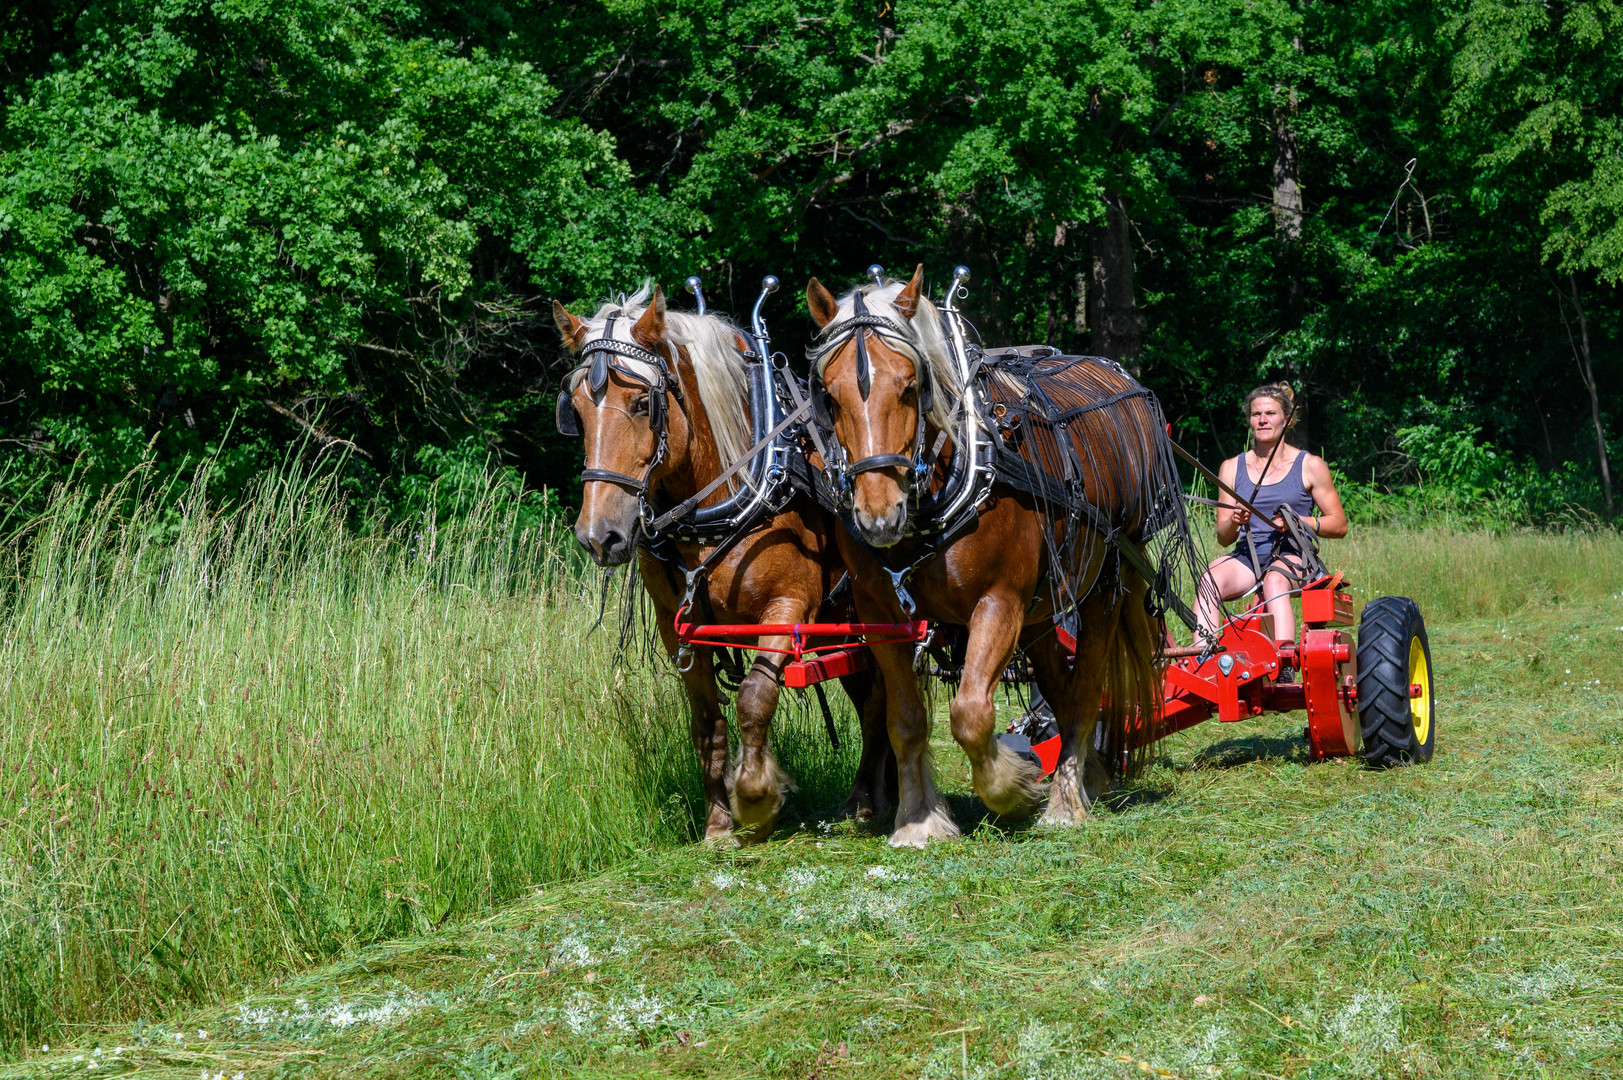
(720, 835)
(1057, 818)
(1009, 785)
(858, 805)
(916, 834)
(758, 833)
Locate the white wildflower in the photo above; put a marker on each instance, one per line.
(572, 949)
(799, 879)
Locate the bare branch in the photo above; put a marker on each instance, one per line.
(324, 439)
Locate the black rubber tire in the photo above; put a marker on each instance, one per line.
(1388, 662)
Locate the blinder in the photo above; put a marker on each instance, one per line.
(656, 408)
(568, 415)
(821, 403)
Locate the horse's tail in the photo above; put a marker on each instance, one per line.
(1131, 711)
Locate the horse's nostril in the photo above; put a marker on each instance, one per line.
(614, 543)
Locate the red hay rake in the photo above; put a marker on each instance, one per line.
(1387, 671)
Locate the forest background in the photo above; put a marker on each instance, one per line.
(228, 227)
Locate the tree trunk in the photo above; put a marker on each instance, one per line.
(1587, 370)
(1117, 327)
(1287, 168)
(1288, 205)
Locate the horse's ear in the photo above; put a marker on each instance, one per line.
(821, 302)
(650, 328)
(573, 329)
(907, 301)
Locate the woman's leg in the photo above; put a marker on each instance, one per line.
(1224, 579)
(1278, 580)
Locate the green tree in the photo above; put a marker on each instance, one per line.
(306, 218)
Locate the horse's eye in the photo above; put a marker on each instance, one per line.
(910, 393)
(639, 406)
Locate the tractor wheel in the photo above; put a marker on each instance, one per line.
(1399, 726)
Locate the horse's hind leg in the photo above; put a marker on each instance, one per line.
(873, 792)
(1006, 782)
(1073, 691)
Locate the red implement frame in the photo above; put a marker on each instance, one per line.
(1238, 680)
(810, 663)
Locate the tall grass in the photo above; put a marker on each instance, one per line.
(1457, 571)
(1455, 574)
(234, 741)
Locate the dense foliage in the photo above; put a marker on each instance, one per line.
(228, 225)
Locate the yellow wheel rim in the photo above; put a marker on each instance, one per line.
(1419, 707)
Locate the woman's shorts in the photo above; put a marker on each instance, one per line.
(1267, 555)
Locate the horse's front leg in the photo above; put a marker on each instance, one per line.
(1073, 690)
(1006, 782)
(921, 813)
(707, 725)
(759, 784)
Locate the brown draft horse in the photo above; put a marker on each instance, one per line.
(989, 577)
(780, 572)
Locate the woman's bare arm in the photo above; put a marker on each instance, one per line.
(1229, 522)
(1332, 519)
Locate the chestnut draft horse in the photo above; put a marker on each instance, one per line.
(889, 388)
(666, 413)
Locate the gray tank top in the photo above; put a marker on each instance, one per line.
(1287, 490)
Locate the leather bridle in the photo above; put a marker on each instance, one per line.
(836, 336)
(598, 358)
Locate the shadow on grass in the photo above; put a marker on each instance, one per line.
(820, 819)
(1292, 749)
(1121, 799)
(968, 811)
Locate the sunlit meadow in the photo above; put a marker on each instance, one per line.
(235, 741)
(240, 742)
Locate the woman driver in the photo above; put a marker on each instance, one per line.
(1295, 478)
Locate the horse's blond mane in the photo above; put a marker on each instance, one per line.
(718, 367)
(926, 343)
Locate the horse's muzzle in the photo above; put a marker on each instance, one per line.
(609, 544)
(885, 529)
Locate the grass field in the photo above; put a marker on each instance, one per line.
(1238, 912)
(233, 744)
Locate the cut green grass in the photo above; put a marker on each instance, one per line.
(1238, 912)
